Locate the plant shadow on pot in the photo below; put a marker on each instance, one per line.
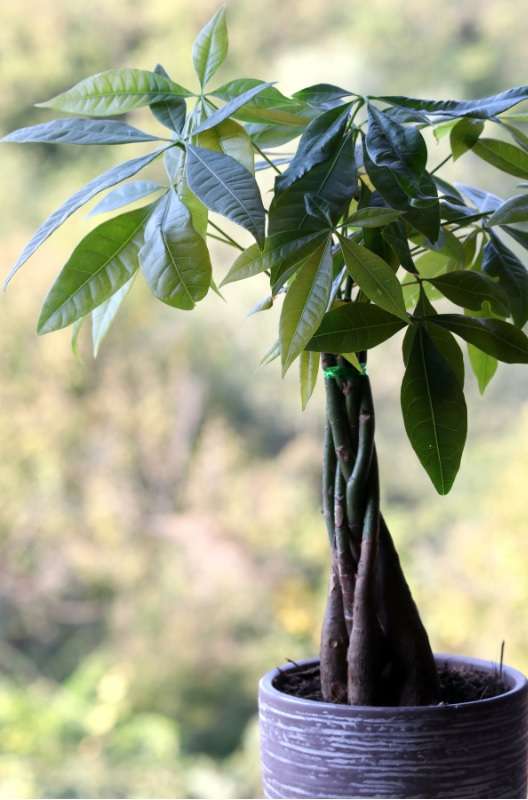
(477, 748)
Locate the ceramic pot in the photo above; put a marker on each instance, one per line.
(464, 750)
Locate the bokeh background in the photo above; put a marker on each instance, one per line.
(160, 534)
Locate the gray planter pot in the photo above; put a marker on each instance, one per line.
(475, 749)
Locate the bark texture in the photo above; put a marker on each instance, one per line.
(374, 647)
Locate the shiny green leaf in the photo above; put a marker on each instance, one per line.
(305, 304)
(210, 47)
(493, 336)
(80, 198)
(470, 289)
(124, 195)
(500, 262)
(100, 264)
(434, 411)
(104, 315)
(232, 107)
(503, 155)
(76, 130)
(354, 327)
(464, 135)
(116, 91)
(308, 372)
(175, 259)
(374, 277)
(515, 209)
(227, 188)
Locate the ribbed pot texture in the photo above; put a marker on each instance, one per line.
(465, 750)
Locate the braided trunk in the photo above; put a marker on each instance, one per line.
(374, 647)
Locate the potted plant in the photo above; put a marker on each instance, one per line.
(362, 239)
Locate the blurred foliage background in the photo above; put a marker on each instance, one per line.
(161, 541)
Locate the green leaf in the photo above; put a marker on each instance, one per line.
(104, 315)
(171, 113)
(434, 411)
(493, 336)
(483, 108)
(262, 305)
(354, 327)
(272, 134)
(116, 91)
(464, 135)
(100, 264)
(374, 277)
(500, 262)
(230, 138)
(375, 217)
(232, 107)
(332, 182)
(503, 155)
(483, 365)
(76, 130)
(516, 134)
(515, 209)
(316, 145)
(226, 187)
(396, 236)
(249, 263)
(471, 289)
(210, 47)
(283, 255)
(445, 343)
(305, 304)
(398, 148)
(308, 372)
(124, 195)
(272, 354)
(269, 106)
(322, 95)
(55, 220)
(175, 259)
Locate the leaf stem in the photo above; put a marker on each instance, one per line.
(229, 238)
(266, 158)
(441, 164)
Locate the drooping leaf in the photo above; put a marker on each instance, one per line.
(284, 255)
(470, 289)
(374, 277)
(100, 264)
(230, 138)
(226, 187)
(482, 108)
(80, 198)
(516, 134)
(445, 343)
(375, 217)
(210, 47)
(354, 327)
(483, 365)
(174, 258)
(503, 155)
(493, 336)
(116, 91)
(434, 411)
(316, 145)
(398, 148)
(464, 135)
(395, 235)
(232, 107)
(124, 195)
(170, 112)
(76, 130)
(308, 372)
(268, 106)
(104, 315)
(305, 304)
(500, 262)
(515, 209)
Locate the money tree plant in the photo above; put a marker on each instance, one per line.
(362, 239)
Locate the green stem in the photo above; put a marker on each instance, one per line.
(266, 158)
(226, 236)
(441, 164)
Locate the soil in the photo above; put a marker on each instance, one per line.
(457, 685)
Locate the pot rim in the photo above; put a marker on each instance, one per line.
(519, 684)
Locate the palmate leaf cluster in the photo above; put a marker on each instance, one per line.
(361, 239)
